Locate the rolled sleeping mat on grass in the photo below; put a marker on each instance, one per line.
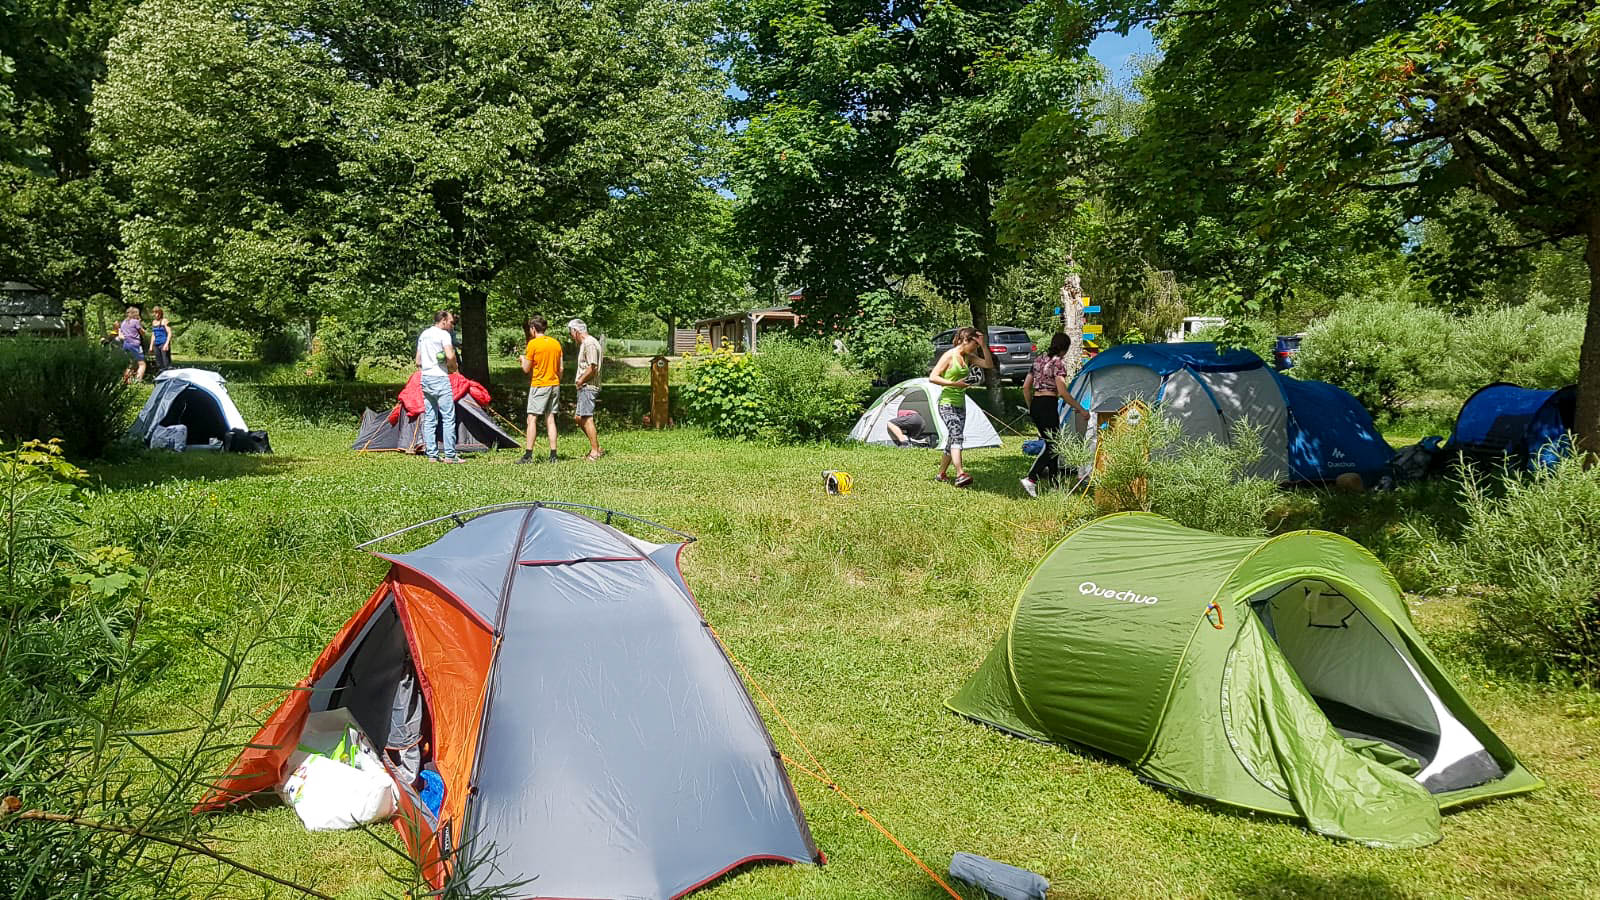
(1002, 880)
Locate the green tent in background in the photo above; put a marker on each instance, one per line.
(1276, 674)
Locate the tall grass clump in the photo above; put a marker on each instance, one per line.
(1385, 352)
(1201, 483)
(1532, 545)
(1521, 344)
(71, 390)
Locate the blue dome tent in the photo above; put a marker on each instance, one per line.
(1503, 420)
(1310, 431)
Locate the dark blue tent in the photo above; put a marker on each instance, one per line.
(1330, 433)
(1310, 431)
(1526, 424)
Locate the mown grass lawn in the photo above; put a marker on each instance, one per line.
(860, 615)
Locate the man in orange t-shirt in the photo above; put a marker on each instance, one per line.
(542, 361)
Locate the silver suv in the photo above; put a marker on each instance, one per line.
(1012, 348)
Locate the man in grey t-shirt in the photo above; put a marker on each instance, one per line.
(588, 382)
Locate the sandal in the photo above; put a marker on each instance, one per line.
(594, 456)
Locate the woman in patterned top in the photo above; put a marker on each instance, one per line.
(1045, 385)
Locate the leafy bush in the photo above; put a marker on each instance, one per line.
(1198, 483)
(336, 350)
(720, 392)
(507, 340)
(1382, 351)
(804, 391)
(1533, 540)
(889, 337)
(212, 341)
(1521, 344)
(67, 389)
(279, 346)
(1250, 334)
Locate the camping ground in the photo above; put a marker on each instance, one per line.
(860, 615)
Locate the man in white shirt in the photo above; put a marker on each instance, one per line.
(588, 382)
(436, 359)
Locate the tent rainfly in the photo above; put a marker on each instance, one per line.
(590, 732)
(1310, 431)
(1503, 420)
(401, 428)
(921, 396)
(196, 399)
(1275, 674)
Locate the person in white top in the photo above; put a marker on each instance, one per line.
(588, 382)
(436, 359)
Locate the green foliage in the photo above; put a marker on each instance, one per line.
(1200, 483)
(1247, 333)
(68, 389)
(210, 340)
(805, 392)
(314, 158)
(279, 346)
(1521, 344)
(1533, 540)
(889, 336)
(507, 341)
(791, 392)
(1382, 351)
(720, 392)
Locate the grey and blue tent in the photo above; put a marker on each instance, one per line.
(1310, 431)
(1525, 426)
(557, 674)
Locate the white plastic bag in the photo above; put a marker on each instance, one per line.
(335, 779)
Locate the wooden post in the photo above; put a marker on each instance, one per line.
(660, 405)
(1072, 317)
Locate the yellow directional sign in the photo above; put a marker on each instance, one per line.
(1095, 330)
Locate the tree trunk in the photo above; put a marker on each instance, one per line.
(1588, 424)
(474, 349)
(1072, 316)
(978, 299)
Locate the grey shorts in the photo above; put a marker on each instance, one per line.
(543, 400)
(586, 398)
(955, 424)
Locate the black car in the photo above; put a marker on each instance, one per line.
(1012, 348)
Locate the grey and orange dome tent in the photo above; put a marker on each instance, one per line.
(1276, 674)
(591, 733)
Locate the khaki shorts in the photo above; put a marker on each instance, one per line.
(543, 400)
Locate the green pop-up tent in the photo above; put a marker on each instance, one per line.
(1276, 674)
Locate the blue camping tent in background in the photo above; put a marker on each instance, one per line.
(1310, 431)
(1526, 424)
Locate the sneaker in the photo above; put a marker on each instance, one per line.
(453, 459)
(941, 478)
(963, 480)
(552, 456)
(1031, 486)
(526, 458)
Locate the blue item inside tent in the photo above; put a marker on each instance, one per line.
(432, 792)
(1529, 425)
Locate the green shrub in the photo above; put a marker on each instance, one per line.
(336, 350)
(1382, 351)
(889, 337)
(66, 389)
(1198, 483)
(720, 392)
(279, 346)
(507, 340)
(1521, 344)
(805, 392)
(209, 340)
(1533, 542)
(1249, 334)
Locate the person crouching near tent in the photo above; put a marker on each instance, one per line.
(955, 371)
(908, 427)
(1044, 390)
(542, 361)
(436, 359)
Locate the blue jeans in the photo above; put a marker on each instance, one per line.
(438, 412)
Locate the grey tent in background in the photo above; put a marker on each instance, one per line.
(475, 431)
(590, 731)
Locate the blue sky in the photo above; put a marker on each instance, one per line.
(1116, 52)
